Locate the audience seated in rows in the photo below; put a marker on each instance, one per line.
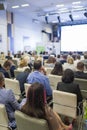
(38, 76)
(63, 58)
(80, 71)
(35, 106)
(9, 55)
(68, 85)
(8, 99)
(77, 59)
(58, 69)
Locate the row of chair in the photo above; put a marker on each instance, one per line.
(14, 85)
(54, 79)
(63, 103)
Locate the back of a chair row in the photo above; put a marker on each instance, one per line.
(65, 103)
(25, 122)
(13, 84)
(54, 79)
(3, 118)
(26, 86)
(83, 86)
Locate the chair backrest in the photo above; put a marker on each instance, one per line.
(26, 86)
(3, 118)
(25, 122)
(14, 86)
(16, 72)
(48, 70)
(54, 79)
(83, 86)
(65, 103)
(15, 61)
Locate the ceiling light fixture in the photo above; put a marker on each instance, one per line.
(16, 6)
(77, 6)
(25, 5)
(76, 2)
(61, 5)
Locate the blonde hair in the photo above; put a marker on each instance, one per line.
(23, 63)
(70, 60)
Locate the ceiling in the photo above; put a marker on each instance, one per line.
(47, 11)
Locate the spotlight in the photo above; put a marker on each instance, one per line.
(58, 17)
(71, 18)
(85, 14)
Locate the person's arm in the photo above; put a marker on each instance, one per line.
(12, 100)
(54, 121)
(48, 87)
(79, 95)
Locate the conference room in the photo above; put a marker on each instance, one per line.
(33, 31)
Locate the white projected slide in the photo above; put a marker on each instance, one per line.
(74, 38)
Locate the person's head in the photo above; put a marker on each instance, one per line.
(51, 59)
(85, 56)
(37, 64)
(70, 60)
(80, 66)
(68, 76)
(23, 63)
(2, 83)
(7, 65)
(36, 99)
(58, 69)
(78, 57)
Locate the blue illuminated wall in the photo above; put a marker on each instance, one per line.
(10, 31)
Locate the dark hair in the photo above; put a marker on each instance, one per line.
(7, 63)
(37, 64)
(58, 69)
(51, 59)
(80, 65)
(85, 56)
(68, 76)
(1, 77)
(35, 103)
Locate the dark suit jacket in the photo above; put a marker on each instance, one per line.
(21, 77)
(79, 74)
(72, 88)
(6, 74)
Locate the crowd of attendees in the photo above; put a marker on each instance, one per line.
(36, 102)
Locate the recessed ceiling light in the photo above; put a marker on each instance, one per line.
(77, 6)
(76, 2)
(62, 9)
(25, 5)
(16, 6)
(62, 5)
(77, 9)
